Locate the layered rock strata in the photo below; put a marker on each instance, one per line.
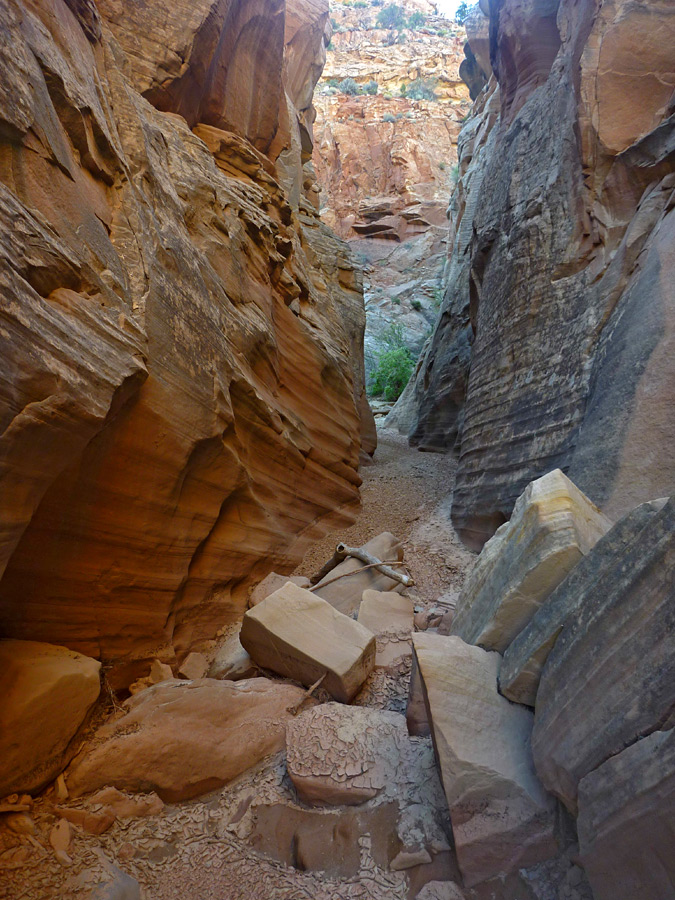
(526, 655)
(553, 526)
(173, 311)
(592, 701)
(554, 344)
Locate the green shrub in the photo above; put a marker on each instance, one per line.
(422, 89)
(387, 117)
(454, 175)
(462, 13)
(394, 365)
(416, 20)
(370, 87)
(387, 95)
(441, 166)
(359, 4)
(348, 86)
(391, 17)
(416, 304)
(403, 89)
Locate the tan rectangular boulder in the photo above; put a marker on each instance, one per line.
(502, 818)
(553, 526)
(390, 616)
(297, 634)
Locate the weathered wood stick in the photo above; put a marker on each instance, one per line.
(335, 560)
(356, 572)
(371, 560)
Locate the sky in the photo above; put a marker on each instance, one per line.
(448, 7)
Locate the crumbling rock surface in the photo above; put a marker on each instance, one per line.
(343, 755)
(171, 322)
(554, 343)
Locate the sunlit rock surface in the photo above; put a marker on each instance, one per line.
(182, 389)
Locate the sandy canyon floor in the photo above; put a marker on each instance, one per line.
(222, 846)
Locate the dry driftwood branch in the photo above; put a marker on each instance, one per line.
(362, 569)
(342, 551)
(370, 560)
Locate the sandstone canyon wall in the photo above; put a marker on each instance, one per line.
(182, 399)
(554, 346)
(386, 162)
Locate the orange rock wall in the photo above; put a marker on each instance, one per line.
(179, 412)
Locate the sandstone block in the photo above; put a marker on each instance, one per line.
(552, 527)
(126, 807)
(181, 739)
(346, 594)
(627, 822)
(343, 755)
(416, 716)
(45, 693)
(299, 635)
(272, 583)
(610, 678)
(526, 656)
(390, 616)
(231, 661)
(194, 666)
(386, 612)
(502, 819)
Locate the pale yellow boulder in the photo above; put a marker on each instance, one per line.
(272, 583)
(502, 818)
(552, 527)
(297, 634)
(391, 618)
(46, 692)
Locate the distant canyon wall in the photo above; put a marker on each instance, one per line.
(556, 339)
(182, 403)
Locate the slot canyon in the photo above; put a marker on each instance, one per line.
(337, 450)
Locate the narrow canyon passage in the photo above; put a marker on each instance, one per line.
(337, 450)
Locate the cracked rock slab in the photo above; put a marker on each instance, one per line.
(344, 755)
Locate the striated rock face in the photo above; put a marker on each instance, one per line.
(627, 821)
(386, 162)
(610, 678)
(554, 344)
(526, 656)
(171, 317)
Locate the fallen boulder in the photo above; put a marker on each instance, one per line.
(343, 755)
(345, 592)
(502, 819)
(610, 678)
(390, 616)
(184, 738)
(231, 661)
(526, 656)
(297, 634)
(553, 525)
(627, 822)
(272, 583)
(45, 694)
